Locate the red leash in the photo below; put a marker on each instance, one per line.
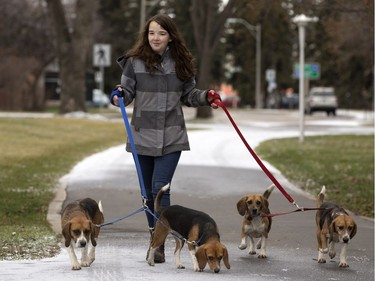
(285, 213)
(282, 213)
(215, 98)
(255, 156)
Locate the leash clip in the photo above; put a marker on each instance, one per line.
(194, 243)
(144, 202)
(300, 208)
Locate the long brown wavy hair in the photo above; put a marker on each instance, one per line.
(183, 58)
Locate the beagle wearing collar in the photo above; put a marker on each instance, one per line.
(200, 231)
(254, 225)
(334, 225)
(79, 222)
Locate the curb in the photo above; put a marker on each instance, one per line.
(54, 208)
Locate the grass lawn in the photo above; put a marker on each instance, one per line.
(344, 164)
(35, 153)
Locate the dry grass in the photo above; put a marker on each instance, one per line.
(35, 153)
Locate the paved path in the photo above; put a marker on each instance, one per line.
(212, 177)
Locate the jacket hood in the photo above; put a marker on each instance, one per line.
(121, 61)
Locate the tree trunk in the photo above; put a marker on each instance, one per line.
(208, 25)
(73, 46)
(204, 78)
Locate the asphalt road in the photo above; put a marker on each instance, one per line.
(212, 177)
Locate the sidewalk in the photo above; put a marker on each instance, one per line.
(211, 177)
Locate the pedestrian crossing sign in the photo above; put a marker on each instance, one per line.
(102, 55)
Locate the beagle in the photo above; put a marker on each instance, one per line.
(335, 225)
(195, 226)
(79, 222)
(254, 225)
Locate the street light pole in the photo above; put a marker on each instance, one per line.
(302, 21)
(258, 95)
(256, 33)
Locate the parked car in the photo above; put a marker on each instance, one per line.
(290, 101)
(321, 99)
(99, 99)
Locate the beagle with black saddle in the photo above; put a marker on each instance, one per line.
(198, 228)
(333, 225)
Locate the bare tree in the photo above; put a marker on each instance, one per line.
(25, 50)
(208, 25)
(73, 30)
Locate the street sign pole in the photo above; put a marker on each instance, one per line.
(101, 59)
(301, 34)
(101, 83)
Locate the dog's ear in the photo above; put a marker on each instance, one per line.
(94, 231)
(66, 233)
(331, 228)
(241, 206)
(264, 203)
(354, 231)
(268, 191)
(201, 257)
(226, 257)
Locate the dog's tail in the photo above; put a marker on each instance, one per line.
(158, 207)
(268, 191)
(100, 206)
(320, 198)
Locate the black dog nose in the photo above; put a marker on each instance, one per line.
(83, 244)
(217, 270)
(346, 239)
(255, 211)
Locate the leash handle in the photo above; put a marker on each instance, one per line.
(255, 156)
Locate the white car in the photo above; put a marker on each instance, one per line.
(321, 99)
(99, 99)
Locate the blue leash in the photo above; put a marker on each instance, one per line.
(138, 167)
(122, 218)
(134, 151)
(141, 183)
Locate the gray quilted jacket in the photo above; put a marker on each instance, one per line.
(158, 124)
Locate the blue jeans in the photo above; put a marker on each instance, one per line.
(157, 172)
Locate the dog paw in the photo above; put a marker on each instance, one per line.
(262, 256)
(150, 262)
(343, 264)
(76, 266)
(252, 252)
(242, 247)
(180, 266)
(85, 263)
(321, 260)
(332, 254)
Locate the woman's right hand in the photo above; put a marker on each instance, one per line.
(115, 95)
